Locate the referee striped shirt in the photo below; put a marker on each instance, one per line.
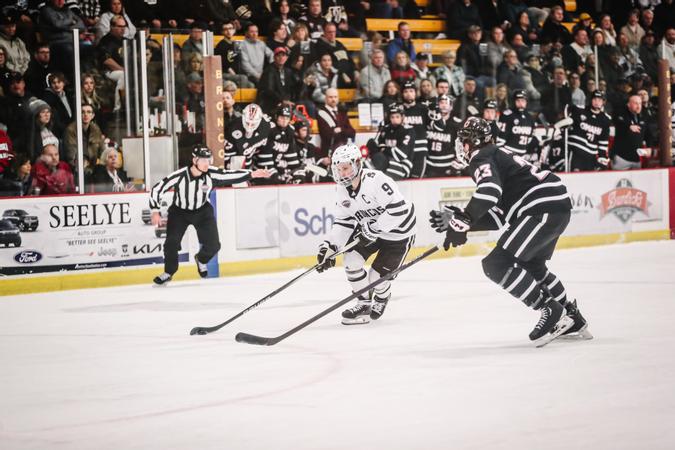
(190, 192)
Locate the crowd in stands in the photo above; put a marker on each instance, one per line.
(291, 52)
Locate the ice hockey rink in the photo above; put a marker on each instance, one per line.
(449, 366)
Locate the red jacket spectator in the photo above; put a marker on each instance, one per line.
(52, 176)
(334, 126)
(6, 152)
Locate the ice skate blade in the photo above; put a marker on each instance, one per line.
(581, 335)
(564, 324)
(361, 320)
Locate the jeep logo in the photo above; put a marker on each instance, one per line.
(28, 257)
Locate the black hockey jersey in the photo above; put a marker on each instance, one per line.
(281, 145)
(506, 182)
(441, 137)
(253, 149)
(417, 116)
(590, 131)
(397, 145)
(516, 131)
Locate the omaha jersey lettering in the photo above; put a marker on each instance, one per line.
(516, 131)
(589, 133)
(441, 138)
(377, 202)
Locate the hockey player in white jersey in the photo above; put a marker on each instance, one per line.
(369, 207)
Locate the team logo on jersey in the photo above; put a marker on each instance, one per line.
(624, 201)
(237, 134)
(516, 122)
(346, 203)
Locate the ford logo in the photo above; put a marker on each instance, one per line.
(28, 257)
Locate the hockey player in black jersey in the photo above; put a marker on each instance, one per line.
(416, 116)
(392, 150)
(536, 208)
(516, 129)
(588, 137)
(441, 136)
(246, 140)
(281, 145)
(490, 108)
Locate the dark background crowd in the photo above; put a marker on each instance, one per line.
(290, 51)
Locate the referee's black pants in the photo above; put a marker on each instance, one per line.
(207, 232)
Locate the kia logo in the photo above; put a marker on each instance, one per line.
(28, 257)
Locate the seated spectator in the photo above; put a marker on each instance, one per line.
(508, 72)
(16, 54)
(502, 97)
(647, 20)
(539, 79)
(553, 29)
(496, 48)
(421, 67)
(386, 9)
(314, 19)
(60, 103)
(585, 23)
(193, 103)
(14, 109)
(471, 59)
(39, 69)
(51, 176)
(463, 15)
(18, 179)
(630, 134)
(284, 13)
(195, 64)
(328, 44)
(230, 58)
(300, 46)
(391, 94)
(6, 152)
(110, 57)
(109, 176)
(324, 76)
(556, 97)
(278, 35)
(373, 77)
(90, 12)
(578, 95)
(194, 44)
(632, 30)
(492, 14)
(56, 24)
(519, 46)
(575, 54)
(41, 130)
(376, 42)
(402, 43)
(607, 28)
(630, 59)
(451, 72)
(401, 71)
(667, 47)
(93, 141)
(230, 114)
(523, 27)
(115, 8)
(649, 55)
(334, 126)
(148, 10)
(5, 73)
(254, 54)
(278, 84)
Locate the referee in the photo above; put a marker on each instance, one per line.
(191, 188)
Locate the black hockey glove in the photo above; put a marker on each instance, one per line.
(325, 250)
(459, 225)
(439, 219)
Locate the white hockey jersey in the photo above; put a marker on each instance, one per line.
(378, 202)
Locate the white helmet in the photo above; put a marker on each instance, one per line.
(251, 117)
(348, 153)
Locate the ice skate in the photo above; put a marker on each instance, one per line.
(202, 269)
(357, 314)
(579, 330)
(552, 323)
(162, 279)
(378, 306)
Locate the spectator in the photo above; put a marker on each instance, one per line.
(518, 44)
(664, 16)
(493, 13)
(647, 20)
(585, 23)
(328, 44)
(278, 35)
(473, 60)
(387, 9)
(148, 10)
(649, 55)
(509, 72)
(629, 135)
(575, 54)
(451, 72)
(314, 20)
(402, 43)
(401, 71)
(93, 141)
(284, 13)
(5, 73)
(334, 126)
(391, 94)
(193, 102)
(220, 11)
(539, 79)
(195, 64)
(108, 176)
(230, 114)
(553, 30)
(254, 54)
(373, 77)
(194, 44)
(632, 30)
(90, 97)
(278, 84)
(6, 153)
(496, 48)
(60, 103)
(301, 47)
(325, 77)
(90, 11)
(51, 176)
(469, 103)
(16, 54)
(523, 27)
(110, 57)
(39, 69)
(15, 113)
(630, 59)
(514, 9)
(230, 57)
(502, 97)
(18, 180)
(41, 129)
(463, 15)
(421, 67)
(578, 95)
(667, 47)
(376, 42)
(607, 28)
(556, 97)
(56, 22)
(104, 25)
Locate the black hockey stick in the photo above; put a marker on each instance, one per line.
(207, 330)
(260, 340)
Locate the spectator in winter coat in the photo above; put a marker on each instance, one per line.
(633, 30)
(401, 71)
(323, 76)
(18, 179)
(278, 83)
(56, 24)
(373, 77)
(6, 153)
(39, 69)
(108, 176)
(116, 8)
(51, 176)
(553, 30)
(16, 54)
(254, 54)
(40, 131)
(93, 142)
(61, 104)
(402, 43)
(451, 72)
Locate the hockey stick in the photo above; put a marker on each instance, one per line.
(260, 340)
(207, 330)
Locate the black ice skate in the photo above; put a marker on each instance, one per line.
(202, 269)
(579, 330)
(552, 323)
(379, 304)
(357, 314)
(162, 279)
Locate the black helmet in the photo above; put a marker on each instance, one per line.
(395, 108)
(201, 151)
(283, 110)
(598, 94)
(490, 104)
(519, 93)
(408, 85)
(476, 132)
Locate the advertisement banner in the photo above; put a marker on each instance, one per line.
(49, 234)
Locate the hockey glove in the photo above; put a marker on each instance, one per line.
(459, 225)
(603, 163)
(366, 234)
(440, 219)
(323, 259)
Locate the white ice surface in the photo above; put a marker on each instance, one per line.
(448, 367)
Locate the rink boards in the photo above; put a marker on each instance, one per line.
(105, 240)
